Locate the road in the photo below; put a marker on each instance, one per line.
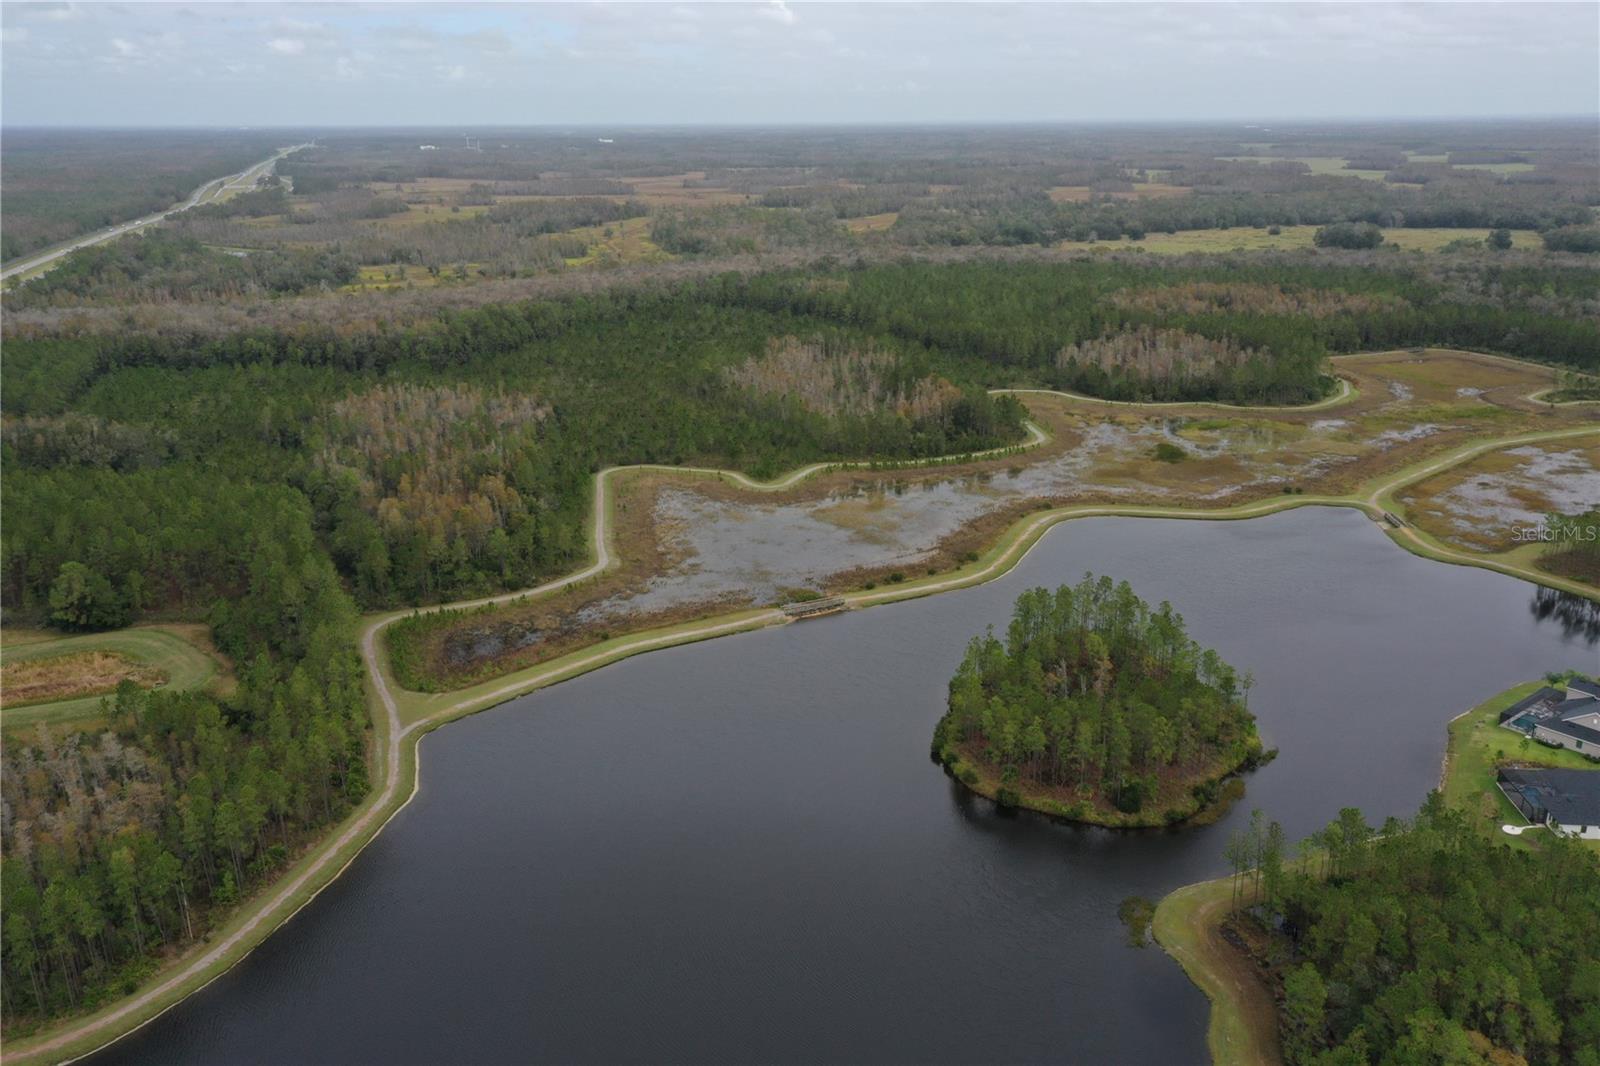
(321, 867)
(205, 194)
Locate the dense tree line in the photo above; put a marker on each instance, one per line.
(1584, 239)
(122, 845)
(1024, 215)
(1575, 552)
(1016, 317)
(62, 183)
(427, 499)
(676, 375)
(1429, 942)
(1094, 691)
(165, 265)
(1348, 235)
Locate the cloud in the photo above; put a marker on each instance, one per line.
(682, 61)
(52, 12)
(778, 11)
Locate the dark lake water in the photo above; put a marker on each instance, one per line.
(740, 850)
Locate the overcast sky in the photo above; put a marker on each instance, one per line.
(416, 64)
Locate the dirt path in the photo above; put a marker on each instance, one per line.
(1244, 1019)
(319, 868)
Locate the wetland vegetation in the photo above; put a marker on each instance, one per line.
(385, 380)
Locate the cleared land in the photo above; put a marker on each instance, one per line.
(1320, 165)
(83, 668)
(60, 677)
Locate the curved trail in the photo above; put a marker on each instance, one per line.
(318, 869)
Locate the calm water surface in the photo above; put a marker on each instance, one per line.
(739, 850)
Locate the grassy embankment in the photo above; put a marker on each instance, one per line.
(181, 656)
(403, 717)
(1188, 922)
(1478, 747)
(1243, 1030)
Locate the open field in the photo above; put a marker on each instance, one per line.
(616, 243)
(1291, 237)
(1497, 168)
(871, 223)
(1321, 165)
(180, 655)
(46, 679)
(1077, 194)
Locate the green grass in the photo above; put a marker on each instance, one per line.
(1236, 1035)
(185, 666)
(424, 712)
(1476, 748)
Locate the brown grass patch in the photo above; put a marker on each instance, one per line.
(1071, 194)
(678, 190)
(60, 677)
(872, 223)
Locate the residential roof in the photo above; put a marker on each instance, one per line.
(1545, 697)
(1572, 797)
(1578, 708)
(1589, 688)
(1584, 733)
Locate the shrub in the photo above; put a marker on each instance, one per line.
(1349, 235)
(1168, 452)
(1584, 239)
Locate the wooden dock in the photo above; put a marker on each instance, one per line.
(812, 608)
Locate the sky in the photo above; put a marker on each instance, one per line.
(772, 63)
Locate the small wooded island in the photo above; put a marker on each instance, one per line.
(1098, 709)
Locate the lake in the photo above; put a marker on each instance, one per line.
(740, 850)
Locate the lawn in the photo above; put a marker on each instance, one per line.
(180, 654)
(1478, 746)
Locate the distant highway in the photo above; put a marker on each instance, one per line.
(205, 194)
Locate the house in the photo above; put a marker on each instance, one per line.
(1567, 717)
(1568, 801)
